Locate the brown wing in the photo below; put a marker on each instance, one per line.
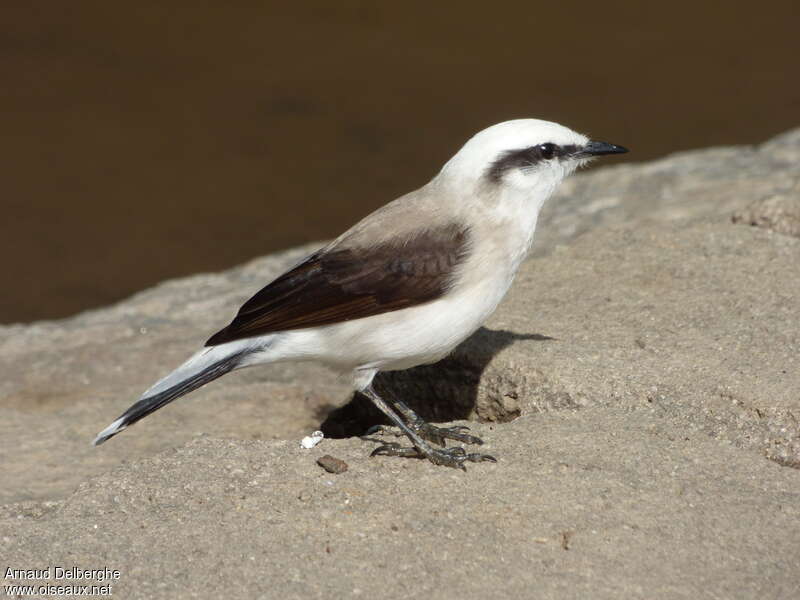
(352, 283)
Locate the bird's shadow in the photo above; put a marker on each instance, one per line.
(442, 392)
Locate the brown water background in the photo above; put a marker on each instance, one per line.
(145, 140)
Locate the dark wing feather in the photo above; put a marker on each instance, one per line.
(352, 283)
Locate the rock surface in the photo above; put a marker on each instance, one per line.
(640, 387)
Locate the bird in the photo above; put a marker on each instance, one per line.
(403, 286)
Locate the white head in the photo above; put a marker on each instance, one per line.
(526, 155)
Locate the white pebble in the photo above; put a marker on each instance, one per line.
(312, 440)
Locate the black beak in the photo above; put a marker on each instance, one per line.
(599, 148)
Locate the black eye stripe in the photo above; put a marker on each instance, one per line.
(527, 157)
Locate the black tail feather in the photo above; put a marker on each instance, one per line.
(150, 404)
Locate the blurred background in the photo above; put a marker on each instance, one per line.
(143, 141)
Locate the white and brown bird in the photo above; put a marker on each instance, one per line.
(403, 286)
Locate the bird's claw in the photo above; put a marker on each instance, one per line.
(381, 429)
(448, 457)
(439, 435)
(395, 449)
(431, 433)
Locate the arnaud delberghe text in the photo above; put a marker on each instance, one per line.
(63, 574)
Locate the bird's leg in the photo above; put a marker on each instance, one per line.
(450, 457)
(429, 432)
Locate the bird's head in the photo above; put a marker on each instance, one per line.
(525, 155)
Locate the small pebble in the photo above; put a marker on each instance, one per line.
(331, 464)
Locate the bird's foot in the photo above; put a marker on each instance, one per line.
(439, 435)
(431, 433)
(450, 457)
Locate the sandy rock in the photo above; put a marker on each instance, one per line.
(780, 213)
(649, 511)
(639, 387)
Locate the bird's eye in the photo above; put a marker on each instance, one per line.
(548, 150)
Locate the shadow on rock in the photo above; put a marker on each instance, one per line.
(442, 392)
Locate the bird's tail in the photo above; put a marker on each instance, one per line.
(203, 367)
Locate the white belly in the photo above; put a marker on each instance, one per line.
(399, 339)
